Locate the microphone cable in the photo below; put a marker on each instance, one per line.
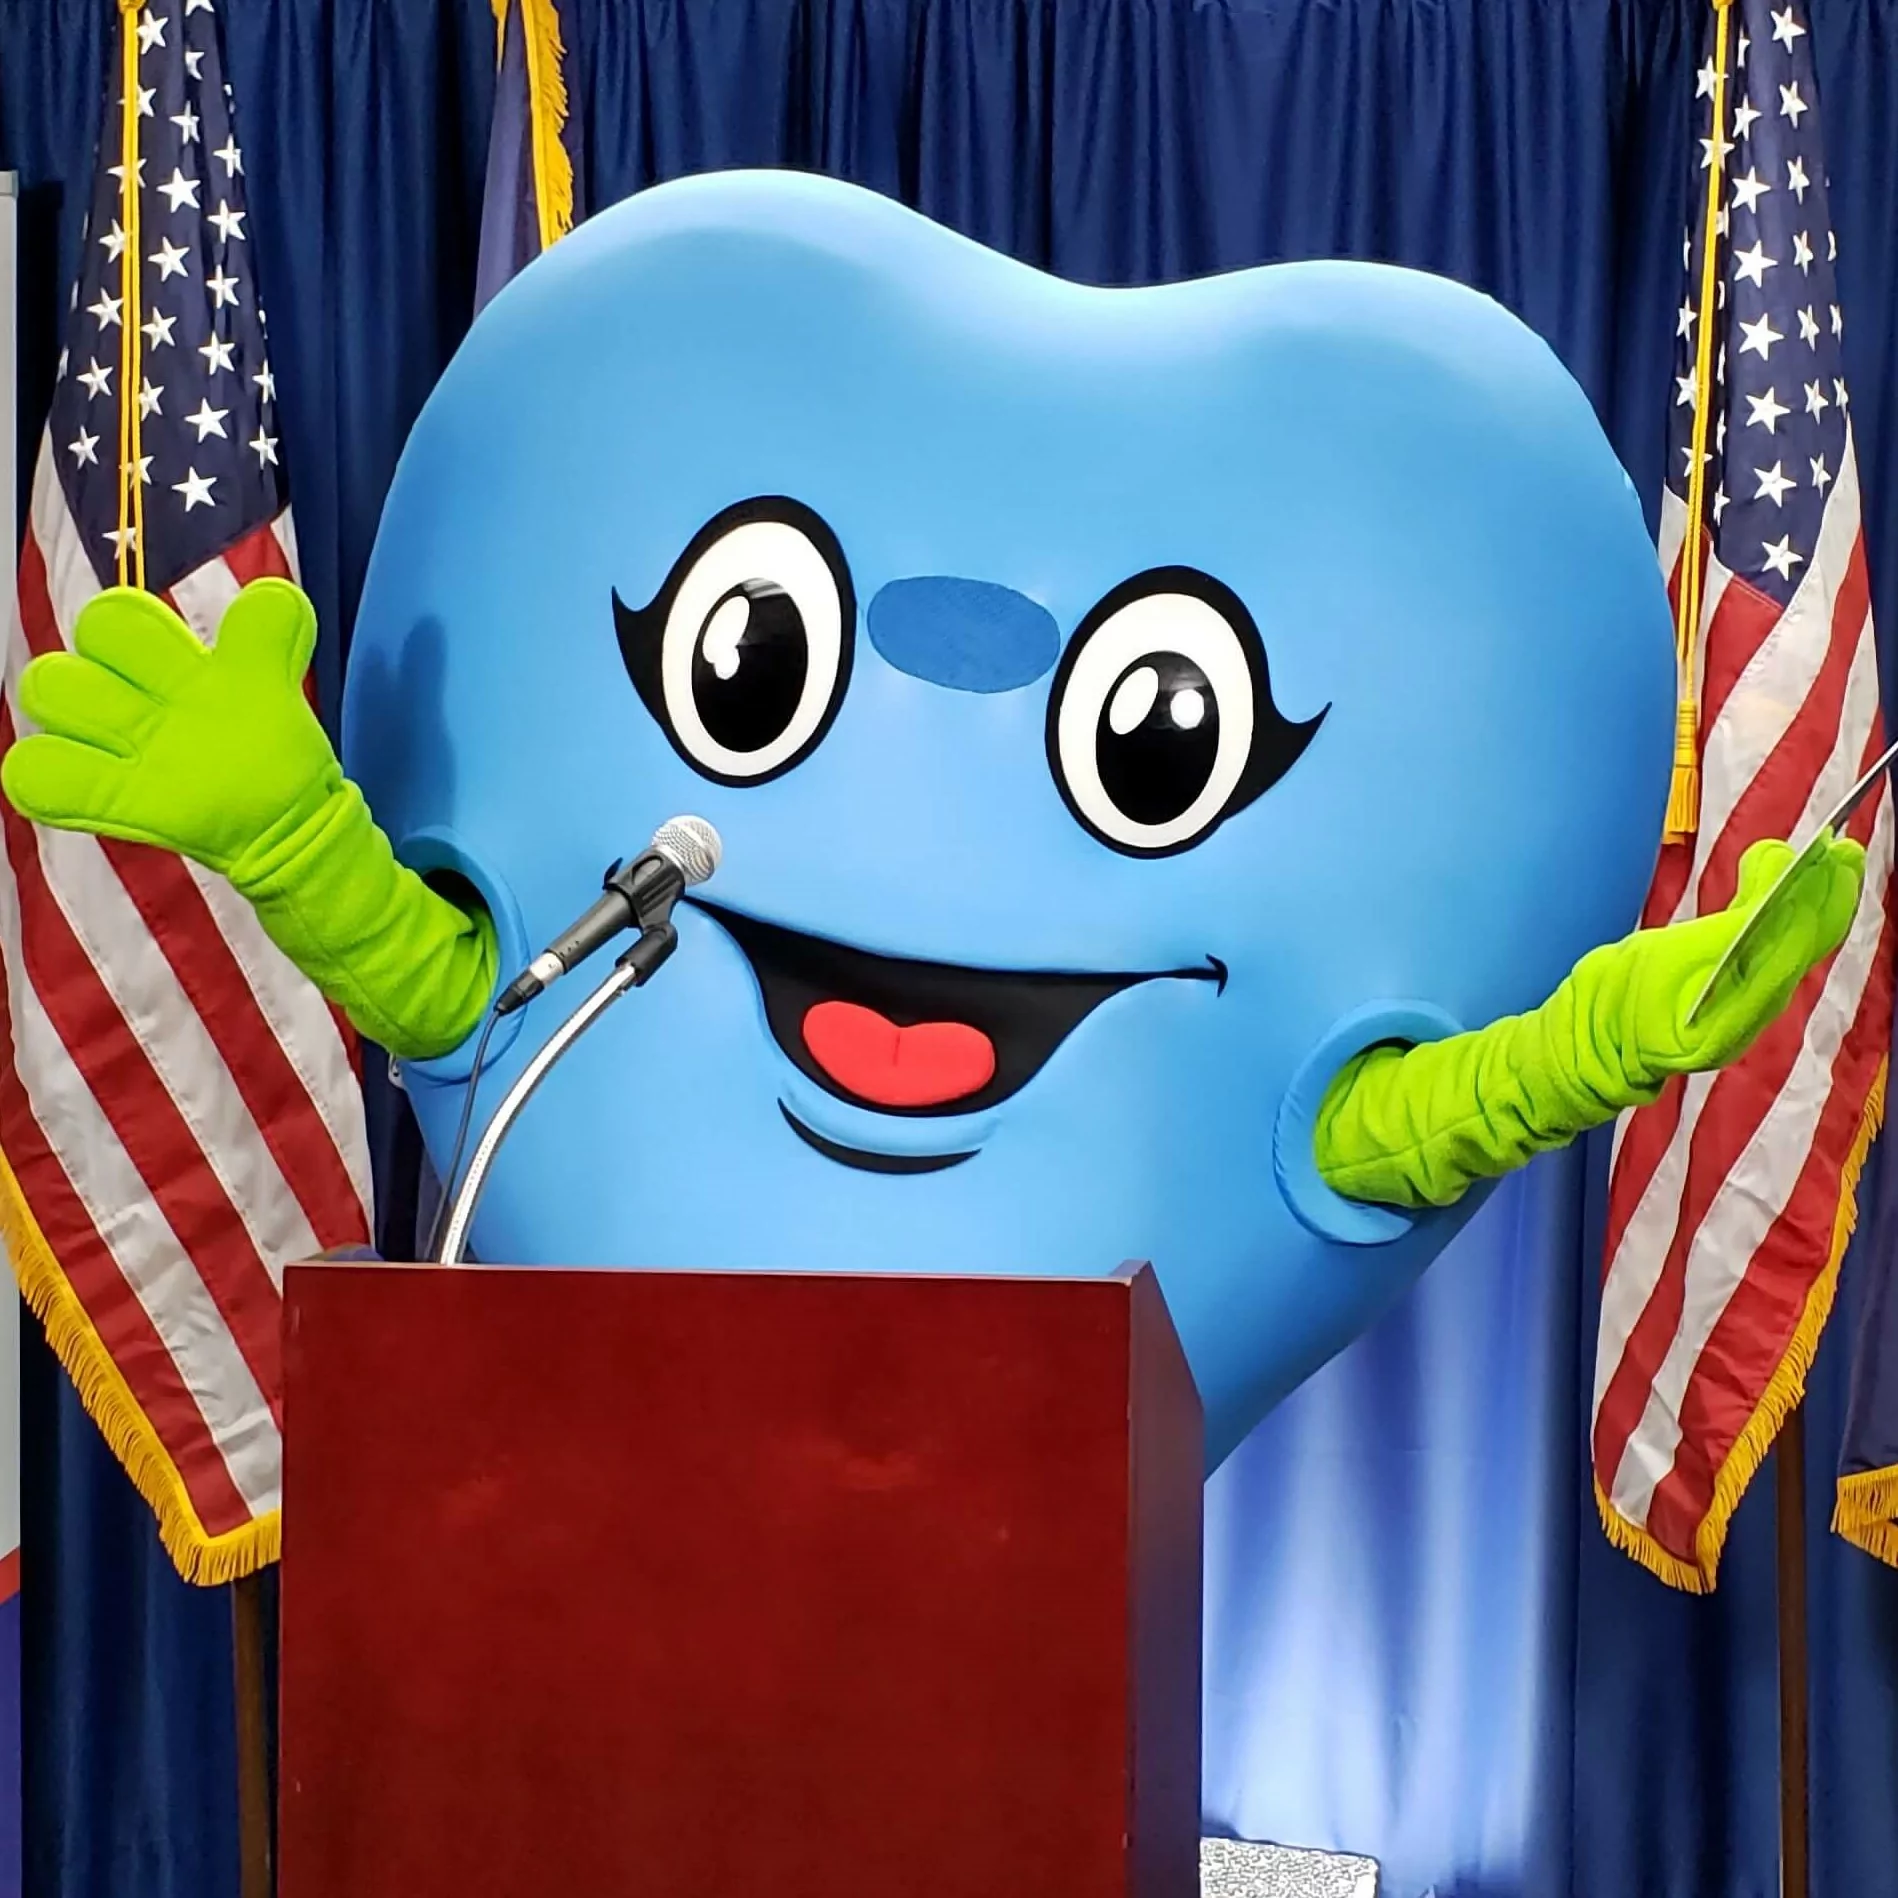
(437, 1225)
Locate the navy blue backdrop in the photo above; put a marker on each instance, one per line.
(1418, 1643)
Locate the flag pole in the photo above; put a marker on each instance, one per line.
(253, 1738)
(1789, 1492)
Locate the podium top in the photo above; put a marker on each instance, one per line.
(1124, 1274)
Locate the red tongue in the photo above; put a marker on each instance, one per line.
(872, 1058)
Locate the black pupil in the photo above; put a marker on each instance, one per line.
(1158, 737)
(749, 665)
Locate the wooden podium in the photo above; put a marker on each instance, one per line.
(737, 1585)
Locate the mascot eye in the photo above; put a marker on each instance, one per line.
(1161, 721)
(744, 656)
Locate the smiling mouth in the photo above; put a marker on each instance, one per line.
(913, 1038)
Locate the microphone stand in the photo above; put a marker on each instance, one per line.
(656, 942)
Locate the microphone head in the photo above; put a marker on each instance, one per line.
(692, 845)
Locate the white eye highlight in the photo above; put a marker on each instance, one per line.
(1188, 707)
(723, 631)
(1133, 700)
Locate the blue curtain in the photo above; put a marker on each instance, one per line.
(1418, 1643)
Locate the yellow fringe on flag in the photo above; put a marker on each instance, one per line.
(200, 1557)
(1782, 1397)
(1866, 1514)
(547, 112)
(1683, 795)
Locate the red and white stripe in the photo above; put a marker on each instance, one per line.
(181, 1108)
(1725, 1194)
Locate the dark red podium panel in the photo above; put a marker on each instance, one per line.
(737, 1585)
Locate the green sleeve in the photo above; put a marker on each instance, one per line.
(1416, 1127)
(409, 968)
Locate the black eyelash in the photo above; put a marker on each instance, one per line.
(1277, 741)
(640, 630)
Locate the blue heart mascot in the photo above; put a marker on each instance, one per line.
(1186, 758)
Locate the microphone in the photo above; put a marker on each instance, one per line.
(684, 851)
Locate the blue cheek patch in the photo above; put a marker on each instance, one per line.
(1045, 970)
(968, 635)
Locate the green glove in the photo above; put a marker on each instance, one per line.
(149, 736)
(1419, 1126)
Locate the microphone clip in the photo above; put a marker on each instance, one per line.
(650, 885)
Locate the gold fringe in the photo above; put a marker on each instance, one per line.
(1782, 1396)
(547, 112)
(1635, 1541)
(1866, 1513)
(205, 1559)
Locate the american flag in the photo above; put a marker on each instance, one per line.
(180, 1111)
(1732, 1197)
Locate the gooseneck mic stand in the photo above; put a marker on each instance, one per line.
(631, 971)
(640, 894)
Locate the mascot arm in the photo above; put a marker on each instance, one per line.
(1419, 1126)
(148, 736)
